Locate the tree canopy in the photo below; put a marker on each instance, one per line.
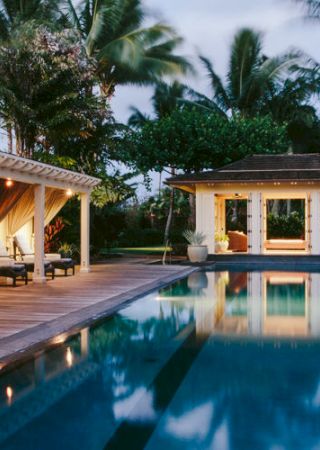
(190, 140)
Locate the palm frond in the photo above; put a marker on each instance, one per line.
(220, 94)
(245, 58)
(137, 118)
(312, 8)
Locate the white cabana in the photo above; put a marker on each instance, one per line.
(31, 194)
(257, 180)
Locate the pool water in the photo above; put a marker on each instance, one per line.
(219, 360)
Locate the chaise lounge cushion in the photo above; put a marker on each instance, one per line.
(285, 244)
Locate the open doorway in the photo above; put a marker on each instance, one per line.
(236, 224)
(285, 225)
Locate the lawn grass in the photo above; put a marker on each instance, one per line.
(149, 250)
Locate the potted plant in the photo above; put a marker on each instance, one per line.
(221, 242)
(197, 251)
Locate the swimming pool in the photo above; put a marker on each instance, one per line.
(219, 360)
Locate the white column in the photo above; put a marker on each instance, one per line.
(39, 202)
(84, 339)
(315, 223)
(39, 368)
(255, 223)
(205, 217)
(314, 304)
(85, 232)
(255, 303)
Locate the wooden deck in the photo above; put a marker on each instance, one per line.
(33, 314)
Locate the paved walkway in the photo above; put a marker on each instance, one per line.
(33, 314)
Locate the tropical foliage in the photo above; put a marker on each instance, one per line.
(60, 64)
(126, 50)
(191, 141)
(45, 95)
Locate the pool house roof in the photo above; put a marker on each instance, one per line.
(259, 168)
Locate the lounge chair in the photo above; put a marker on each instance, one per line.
(10, 269)
(28, 258)
(52, 259)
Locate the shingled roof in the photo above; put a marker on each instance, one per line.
(255, 168)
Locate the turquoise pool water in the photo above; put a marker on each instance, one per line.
(220, 360)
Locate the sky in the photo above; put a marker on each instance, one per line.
(208, 27)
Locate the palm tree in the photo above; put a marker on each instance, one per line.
(312, 8)
(166, 98)
(14, 12)
(251, 74)
(125, 50)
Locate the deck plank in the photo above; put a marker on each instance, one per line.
(36, 313)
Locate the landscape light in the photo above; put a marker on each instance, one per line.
(9, 394)
(9, 183)
(69, 357)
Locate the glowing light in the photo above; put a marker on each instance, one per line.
(9, 394)
(9, 183)
(69, 193)
(69, 357)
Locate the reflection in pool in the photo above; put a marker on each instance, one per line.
(221, 360)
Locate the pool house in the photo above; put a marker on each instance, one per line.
(31, 195)
(255, 186)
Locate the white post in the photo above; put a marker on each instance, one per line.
(84, 339)
(85, 232)
(39, 203)
(255, 304)
(205, 217)
(39, 368)
(255, 223)
(315, 223)
(314, 305)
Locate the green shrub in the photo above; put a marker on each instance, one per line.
(283, 226)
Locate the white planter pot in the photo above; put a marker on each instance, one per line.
(221, 246)
(197, 280)
(197, 253)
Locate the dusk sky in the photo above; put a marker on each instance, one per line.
(208, 27)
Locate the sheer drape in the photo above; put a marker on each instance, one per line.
(22, 212)
(10, 196)
(55, 201)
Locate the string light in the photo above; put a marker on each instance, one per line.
(69, 193)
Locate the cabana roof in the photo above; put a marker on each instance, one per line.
(255, 168)
(30, 171)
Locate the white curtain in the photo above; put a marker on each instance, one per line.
(55, 201)
(22, 212)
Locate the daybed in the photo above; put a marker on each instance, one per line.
(285, 244)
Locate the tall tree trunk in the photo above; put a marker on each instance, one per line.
(275, 207)
(10, 138)
(170, 213)
(192, 217)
